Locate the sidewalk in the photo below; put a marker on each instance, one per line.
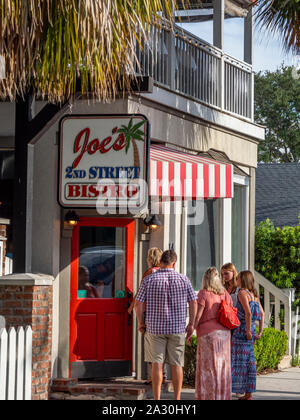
(284, 385)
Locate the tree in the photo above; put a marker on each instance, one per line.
(281, 16)
(277, 254)
(277, 106)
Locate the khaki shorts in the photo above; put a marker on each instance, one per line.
(161, 348)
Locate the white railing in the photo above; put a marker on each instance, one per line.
(8, 269)
(275, 299)
(296, 333)
(186, 64)
(15, 363)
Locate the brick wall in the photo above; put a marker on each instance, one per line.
(23, 305)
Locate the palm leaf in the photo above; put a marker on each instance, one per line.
(130, 124)
(49, 45)
(128, 139)
(138, 125)
(282, 17)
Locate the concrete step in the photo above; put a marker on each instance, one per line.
(112, 389)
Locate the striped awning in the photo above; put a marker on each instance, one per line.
(176, 174)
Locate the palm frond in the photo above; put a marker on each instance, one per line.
(50, 45)
(283, 17)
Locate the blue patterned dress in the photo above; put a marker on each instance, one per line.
(243, 367)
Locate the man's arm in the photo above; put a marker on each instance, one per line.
(139, 311)
(193, 306)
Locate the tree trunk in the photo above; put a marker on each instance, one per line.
(136, 157)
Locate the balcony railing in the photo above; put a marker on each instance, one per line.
(188, 65)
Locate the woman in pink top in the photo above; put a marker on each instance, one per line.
(213, 366)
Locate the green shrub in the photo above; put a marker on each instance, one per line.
(190, 363)
(270, 349)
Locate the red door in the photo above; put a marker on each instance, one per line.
(101, 288)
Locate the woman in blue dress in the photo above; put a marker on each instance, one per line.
(243, 337)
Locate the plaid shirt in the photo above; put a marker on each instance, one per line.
(166, 294)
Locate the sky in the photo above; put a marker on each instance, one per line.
(268, 52)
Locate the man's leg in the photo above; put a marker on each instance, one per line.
(157, 377)
(177, 378)
(175, 357)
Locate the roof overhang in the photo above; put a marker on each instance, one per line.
(200, 11)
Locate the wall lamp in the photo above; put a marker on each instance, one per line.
(152, 222)
(72, 218)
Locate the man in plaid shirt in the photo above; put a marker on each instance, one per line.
(167, 294)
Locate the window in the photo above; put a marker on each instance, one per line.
(101, 262)
(239, 228)
(202, 246)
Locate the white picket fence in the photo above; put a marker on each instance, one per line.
(15, 363)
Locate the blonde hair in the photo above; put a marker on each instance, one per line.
(154, 256)
(230, 267)
(212, 282)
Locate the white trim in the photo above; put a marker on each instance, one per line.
(241, 180)
(226, 229)
(246, 222)
(153, 179)
(183, 251)
(200, 181)
(1, 258)
(188, 192)
(244, 181)
(165, 179)
(223, 180)
(211, 171)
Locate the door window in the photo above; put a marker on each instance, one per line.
(102, 262)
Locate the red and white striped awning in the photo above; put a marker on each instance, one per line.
(176, 174)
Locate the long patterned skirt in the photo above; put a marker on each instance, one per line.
(243, 361)
(213, 370)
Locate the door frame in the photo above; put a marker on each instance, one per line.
(129, 225)
(1, 257)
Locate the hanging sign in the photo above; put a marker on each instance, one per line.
(103, 161)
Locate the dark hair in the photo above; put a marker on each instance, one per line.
(168, 257)
(247, 282)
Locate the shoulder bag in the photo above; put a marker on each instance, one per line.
(227, 316)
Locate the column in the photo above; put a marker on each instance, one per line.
(218, 24)
(226, 219)
(248, 37)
